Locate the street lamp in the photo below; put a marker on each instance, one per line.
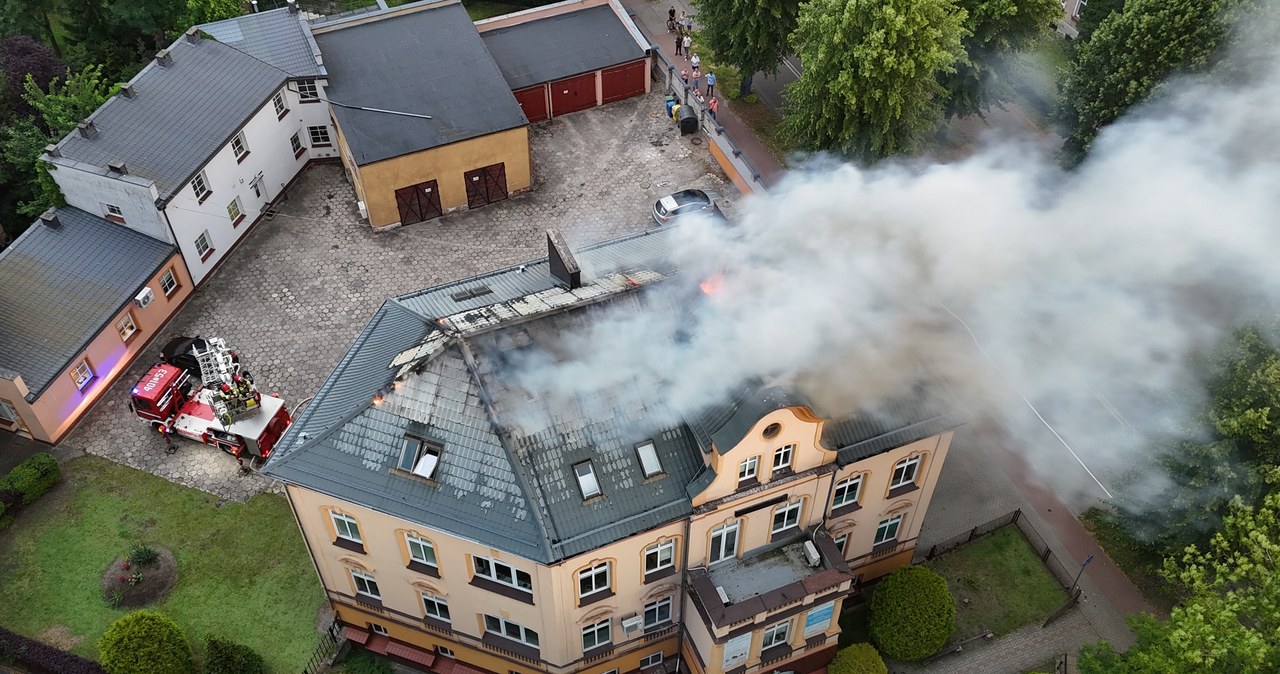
(1075, 584)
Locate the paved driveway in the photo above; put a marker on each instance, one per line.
(293, 297)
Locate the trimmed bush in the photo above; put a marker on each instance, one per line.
(227, 657)
(858, 659)
(42, 657)
(145, 642)
(912, 613)
(364, 662)
(33, 477)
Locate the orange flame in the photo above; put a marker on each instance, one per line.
(713, 284)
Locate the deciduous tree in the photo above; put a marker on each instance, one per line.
(205, 11)
(870, 84)
(1092, 14)
(30, 17)
(22, 56)
(996, 29)
(750, 35)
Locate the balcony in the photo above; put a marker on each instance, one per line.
(769, 580)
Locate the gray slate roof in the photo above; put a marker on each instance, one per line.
(277, 37)
(63, 285)
(560, 46)
(182, 114)
(429, 62)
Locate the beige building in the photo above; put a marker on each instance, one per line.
(462, 518)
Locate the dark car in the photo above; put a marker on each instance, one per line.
(682, 203)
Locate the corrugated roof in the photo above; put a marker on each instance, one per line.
(277, 37)
(181, 115)
(559, 46)
(63, 285)
(427, 62)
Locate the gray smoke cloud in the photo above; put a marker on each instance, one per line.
(1087, 291)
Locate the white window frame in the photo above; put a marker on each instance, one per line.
(775, 635)
(748, 468)
(8, 413)
(588, 483)
(651, 660)
(343, 521)
(782, 456)
(721, 552)
(168, 282)
(203, 245)
(492, 574)
(239, 147)
(279, 103)
(371, 588)
(82, 374)
(649, 462)
(847, 491)
(596, 579)
(433, 605)
(113, 211)
(841, 541)
(308, 90)
(657, 550)
(319, 135)
(790, 514)
(295, 143)
(445, 651)
(200, 186)
(238, 211)
(526, 636)
(894, 523)
(426, 456)
(428, 546)
(901, 470)
(126, 326)
(657, 607)
(378, 629)
(599, 634)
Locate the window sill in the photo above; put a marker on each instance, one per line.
(201, 200)
(518, 647)
(283, 113)
(594, 597)
(774, 653)
(366, 599)
(789, 532)
(241, 158)
(659, 574)
(597, 652)
(207, 254)
(903, 489)
(437, 624)
(503, 589)
(171, 292)
(781, 472)
(307, 101)
(115, 218)
(424, 569)
(131, 336)
(301, 151)
(747, 483)
(349, 545)
(845, 509)
(322, 145)
(884, 545)
(237, 221)
(88, 382)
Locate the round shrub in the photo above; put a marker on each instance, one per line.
(145, 642)
(912, 613)
(858, 659)
(33, 477)
(227, 657)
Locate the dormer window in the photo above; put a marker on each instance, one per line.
(419, 457)
(782, 457)
(649, 462)
(587, 479)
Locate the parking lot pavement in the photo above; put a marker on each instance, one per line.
(293, 296)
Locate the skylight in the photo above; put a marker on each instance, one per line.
(587, 479)
(419, 457)
(649, 462)
(471, 293)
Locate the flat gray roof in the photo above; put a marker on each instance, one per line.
(560, 46)
(62, 285)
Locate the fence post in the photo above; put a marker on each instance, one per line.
(1072, 598)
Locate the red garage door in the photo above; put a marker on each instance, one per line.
(534, 102)
(573, 94)
(624, 81)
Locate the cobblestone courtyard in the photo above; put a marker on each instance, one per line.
(297, 291)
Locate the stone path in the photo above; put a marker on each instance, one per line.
(298, 290)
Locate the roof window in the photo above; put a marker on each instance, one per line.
(649, 462)
(587, 479)
(471, 293)
(419, 457)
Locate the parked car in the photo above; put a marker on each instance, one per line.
(683, 203)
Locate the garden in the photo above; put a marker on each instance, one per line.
(109, 539)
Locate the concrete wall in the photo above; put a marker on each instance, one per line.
(379, 181)
(61, 404)
(90, 188)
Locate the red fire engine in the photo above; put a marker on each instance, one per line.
(200, 391)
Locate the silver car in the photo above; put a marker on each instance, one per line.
(681, 203)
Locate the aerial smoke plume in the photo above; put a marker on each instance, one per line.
(1088, 290)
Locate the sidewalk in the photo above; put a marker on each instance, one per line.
(651, 17)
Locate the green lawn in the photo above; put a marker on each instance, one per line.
(1004, 581)
(243, 571)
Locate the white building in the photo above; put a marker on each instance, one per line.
(200, 143)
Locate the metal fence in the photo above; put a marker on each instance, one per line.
(330, 640)
(1051, 562)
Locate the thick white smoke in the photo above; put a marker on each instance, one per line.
(1086, 289)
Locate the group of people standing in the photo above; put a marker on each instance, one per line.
(683, 30)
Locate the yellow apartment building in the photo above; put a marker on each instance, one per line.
(463, 519)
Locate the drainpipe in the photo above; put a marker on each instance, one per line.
(684, 570)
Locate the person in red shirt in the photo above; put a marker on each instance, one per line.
(712, 106)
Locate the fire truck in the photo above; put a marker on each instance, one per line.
(201, 391)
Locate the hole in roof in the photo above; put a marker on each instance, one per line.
(772, 430)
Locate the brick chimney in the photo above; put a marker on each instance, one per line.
(52, 150)
(192, 35)
(118, 167)
(293, 6)
(564, 266)
(164, 58)
(128, 90)
(87, 129)
(50, 218)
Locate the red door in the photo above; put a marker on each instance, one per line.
(534, 102)
(418, 202)
(486, 185)
(573, 94)
(623, 81)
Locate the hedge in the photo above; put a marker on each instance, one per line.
(42, 657)
(10, 499)
(145, 642)
(912, 613)
(228, 657)
(33, 477)
(858, 659)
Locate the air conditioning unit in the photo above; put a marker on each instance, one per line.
(811, 553)
(144, 298)
(632, 623)
(364, 210)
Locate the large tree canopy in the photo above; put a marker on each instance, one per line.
(870, 84)
(22, 57)
(750, 35)
(996, 28)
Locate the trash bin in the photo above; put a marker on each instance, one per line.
(688, 120)
(675, 112)
(671, 103)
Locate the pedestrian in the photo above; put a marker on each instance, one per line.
(697, 79)
(688, 42)
(679, 42)
(671, 19)
(712, 106)
(711, 84)
(684, 77)
(694, 61)
(688, 23)
(683, 16)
